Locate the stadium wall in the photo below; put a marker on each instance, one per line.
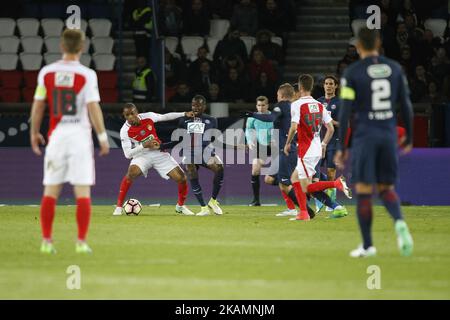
(424, 180)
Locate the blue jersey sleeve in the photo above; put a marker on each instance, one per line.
(348, 96)
(406, 109)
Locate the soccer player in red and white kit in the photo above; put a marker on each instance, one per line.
(307, 117)
(71, 92)
(140, 143)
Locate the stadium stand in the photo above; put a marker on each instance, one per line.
(9, 44)
(28, 26)
(7, 27)
(52, 27)
(32, 44)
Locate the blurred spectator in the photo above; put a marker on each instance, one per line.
(142, 24)
(231, 44)
(342, 65)
(272, 51)
(144, 83)
(202, 55)
(235, 62)
(220, 9)
(434, 96)
(260, 64)
(234, 87)
(419, 84)
(388, 36)
(203, 78)
(183, 94)
(170, 18)
(214, 93)
(196, 20)
(245, 18)
(175, 69)
(273, 19)
(351, 55)
(406, 60)
(263, 87)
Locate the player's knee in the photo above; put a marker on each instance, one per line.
(269, 180)
(133, 173)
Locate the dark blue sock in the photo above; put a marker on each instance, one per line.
(392, 204)
(325, 199)
(293, 197)
(364, 213)
(323, 176)
(197, 190)
(217, 183)
(255, 187)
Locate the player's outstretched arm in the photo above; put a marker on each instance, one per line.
(96, 116)
(407, 115)
(157, 117)
(266, 117)
(37, 114)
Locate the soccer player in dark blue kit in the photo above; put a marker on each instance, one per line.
(194, 156)
(372, 87)
(331, 102)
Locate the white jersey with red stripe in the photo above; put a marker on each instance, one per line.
(309, 114)
(132, 137)
(68, 87)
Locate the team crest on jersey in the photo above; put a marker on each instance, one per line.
(333, 106)
(143, 132)
(207, 121)
(149, 127)
(377, 71)
(195, 127)
(313, 107)
(64, 79)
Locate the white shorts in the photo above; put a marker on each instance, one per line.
(306, 167)
(161, 161)
(69, 157)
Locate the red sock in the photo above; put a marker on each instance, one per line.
(124, 186)
(83, 217)
(48, 205)
(289, 203)
(182, 193)
(301, 197)
(320, 186)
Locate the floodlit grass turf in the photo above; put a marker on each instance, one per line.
(248, 253)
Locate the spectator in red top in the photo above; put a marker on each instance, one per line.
(260, 64)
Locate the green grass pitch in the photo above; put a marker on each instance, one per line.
(247, 253)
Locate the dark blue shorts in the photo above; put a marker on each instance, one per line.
(286, 166)
(374, 160)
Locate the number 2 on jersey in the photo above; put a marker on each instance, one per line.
(381, 92)
(64, 102)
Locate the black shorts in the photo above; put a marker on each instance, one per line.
(374, 160)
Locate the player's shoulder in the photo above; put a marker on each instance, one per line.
(125, 128)
(321, 99)
(209, 117)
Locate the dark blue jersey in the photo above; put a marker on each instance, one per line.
(372, 88)
(281, 118)
(332, 105)
(196, 127)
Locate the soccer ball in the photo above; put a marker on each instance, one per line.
(132, 207)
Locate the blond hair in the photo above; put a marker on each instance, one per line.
(72, 40)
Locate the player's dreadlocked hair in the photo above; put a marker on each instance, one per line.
(368, 38)
(199, 98)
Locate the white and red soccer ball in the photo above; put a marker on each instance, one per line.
(132, 207)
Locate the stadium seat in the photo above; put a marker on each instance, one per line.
(87, 45)
(11, 79)
(28, 26)
(171, 44)
(9, 44)
(9, 95)
(357, 24)
(32, 44)
(249, 42)
(219, 28)
(7, 27)
(28, 94)
(52, 27)
(212, 44)
(109, 95)
(8, 61)
(277, 40)
(190, 44)
(53, 10)
(31, 61)
(86, 59)
(437, 26)
(100, 27)
(104, 61)
(51, 57)
(107, 79)
(102, 44)
(52, 44)
(30, 78)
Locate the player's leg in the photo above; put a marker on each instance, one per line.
(387, 174)
(317, 178)
(192, 174)
(296, 178)
(47, 215)
(134, 171)
(177, 174)
(215, 165)
(256, 171)
(82, 195)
